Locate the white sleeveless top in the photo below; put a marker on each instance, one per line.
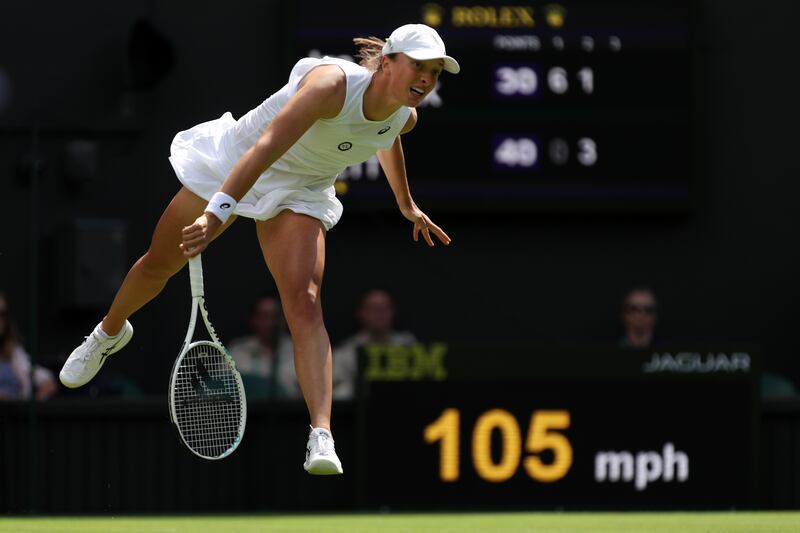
(302, 179)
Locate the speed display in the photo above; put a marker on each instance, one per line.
(490, 426)
(570, 105)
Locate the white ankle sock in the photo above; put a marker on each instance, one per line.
(106, 335)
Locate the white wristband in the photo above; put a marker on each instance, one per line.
(221, 206)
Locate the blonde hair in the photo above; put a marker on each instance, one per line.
(370, 51)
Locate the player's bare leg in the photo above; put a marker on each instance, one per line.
(149, 275)
(144, 281)
(294, 250)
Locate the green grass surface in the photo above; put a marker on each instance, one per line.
(738, 522)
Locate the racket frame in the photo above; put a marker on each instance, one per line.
(198, 302)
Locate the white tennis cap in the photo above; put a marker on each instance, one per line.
(421, 42)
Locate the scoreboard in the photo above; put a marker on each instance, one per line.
(490, 427)
(576, 105)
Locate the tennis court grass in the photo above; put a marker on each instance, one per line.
(738, 522)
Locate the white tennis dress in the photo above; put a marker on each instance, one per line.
(302, 179)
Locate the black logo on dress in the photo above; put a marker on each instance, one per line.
(384, 130)
(226, 205)
(345, 146)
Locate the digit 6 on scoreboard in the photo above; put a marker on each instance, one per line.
(543, 435)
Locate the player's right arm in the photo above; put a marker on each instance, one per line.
(321, 94)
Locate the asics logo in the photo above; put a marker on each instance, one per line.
(384, 130)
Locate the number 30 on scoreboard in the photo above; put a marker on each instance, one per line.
(543, 434)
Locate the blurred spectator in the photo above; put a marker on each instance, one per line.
(375, 315)
(265, 359)
(15, 363)
(639, 317)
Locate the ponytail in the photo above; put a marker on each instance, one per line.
(370, 51)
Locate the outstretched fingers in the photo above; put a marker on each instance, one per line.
(426, 227)
(440, 234)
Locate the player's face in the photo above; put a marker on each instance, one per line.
(413, 80)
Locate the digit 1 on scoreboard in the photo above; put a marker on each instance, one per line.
(446, 429)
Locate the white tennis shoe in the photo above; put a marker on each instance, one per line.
(321, 458)
(85, 361)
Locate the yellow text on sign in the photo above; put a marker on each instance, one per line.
(389, 362)
(543, 434)
(493, 17)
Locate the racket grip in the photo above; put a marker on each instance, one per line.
(196, 275)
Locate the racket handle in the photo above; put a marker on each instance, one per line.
(196, 275)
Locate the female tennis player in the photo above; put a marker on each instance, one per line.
(277, 164)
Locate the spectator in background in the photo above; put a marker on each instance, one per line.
(375, 315)
(639, 317)
(265, 359)
(15, 363)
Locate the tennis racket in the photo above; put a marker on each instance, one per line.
(206, 396)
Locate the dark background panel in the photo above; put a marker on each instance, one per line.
(123, 457)
(118, 477)
(712, 423)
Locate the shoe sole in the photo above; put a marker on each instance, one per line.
(323, 467)
(126, 337)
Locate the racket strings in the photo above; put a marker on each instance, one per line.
(208, 401)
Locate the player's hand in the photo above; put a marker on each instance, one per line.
(423, 224)
(197, 236)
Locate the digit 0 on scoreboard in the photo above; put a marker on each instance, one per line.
(544, 433)
(521, 153)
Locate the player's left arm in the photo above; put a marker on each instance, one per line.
(393, 163)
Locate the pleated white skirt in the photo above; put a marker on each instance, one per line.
(202, 162)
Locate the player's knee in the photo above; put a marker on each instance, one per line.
(155, 268)
(302, 310)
